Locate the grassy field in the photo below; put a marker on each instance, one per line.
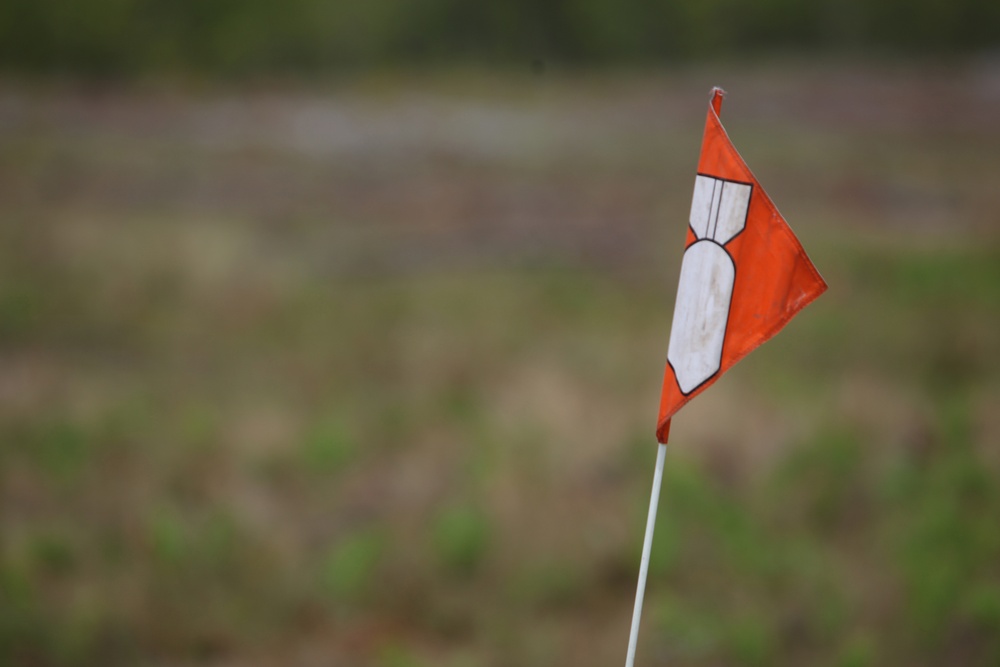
(366, 373)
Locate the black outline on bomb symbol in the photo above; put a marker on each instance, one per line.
(698, 338)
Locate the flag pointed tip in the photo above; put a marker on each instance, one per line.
(663, 431)
(717, 95)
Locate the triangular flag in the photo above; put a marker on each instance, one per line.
(743, 277)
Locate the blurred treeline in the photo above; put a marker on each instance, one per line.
(234, 37)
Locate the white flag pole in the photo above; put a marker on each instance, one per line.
(647, 545)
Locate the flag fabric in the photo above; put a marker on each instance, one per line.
(744, 275)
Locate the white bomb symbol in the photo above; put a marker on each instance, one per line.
(708, 273)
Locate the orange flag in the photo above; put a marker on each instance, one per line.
(743, 277)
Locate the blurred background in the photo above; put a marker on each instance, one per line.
(332, 333)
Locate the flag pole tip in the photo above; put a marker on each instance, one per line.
(717, 95)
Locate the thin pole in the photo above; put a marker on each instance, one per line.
(647, 545)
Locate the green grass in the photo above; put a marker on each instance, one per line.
(460, 539)
(351, 565)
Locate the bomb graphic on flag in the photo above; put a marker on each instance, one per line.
(744, 275)
(708, 273)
